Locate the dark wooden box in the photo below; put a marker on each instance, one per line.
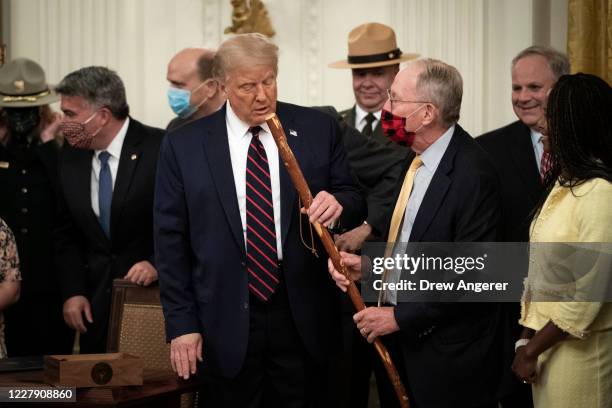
(93, 370)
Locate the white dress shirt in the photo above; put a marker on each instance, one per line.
(360, 118)
(538, 147)
(239, 139)
(114, 149)
(431, 159)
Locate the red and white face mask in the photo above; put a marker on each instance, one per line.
(76, 134)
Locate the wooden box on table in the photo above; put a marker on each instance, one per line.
(93, 370)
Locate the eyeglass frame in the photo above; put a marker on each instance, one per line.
(391, 100)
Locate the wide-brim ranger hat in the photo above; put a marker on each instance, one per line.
(372, 45)
(23, 84)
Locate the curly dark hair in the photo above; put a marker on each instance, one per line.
(580, 129)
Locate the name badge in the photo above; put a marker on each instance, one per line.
(4, 165)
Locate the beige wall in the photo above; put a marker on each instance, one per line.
(138, 37)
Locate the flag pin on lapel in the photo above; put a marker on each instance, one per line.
(292, 132)
(133, 157)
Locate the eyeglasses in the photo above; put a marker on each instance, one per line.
(392, 101)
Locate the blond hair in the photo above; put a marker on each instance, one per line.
(244, 49)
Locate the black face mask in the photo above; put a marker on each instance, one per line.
(22, 121)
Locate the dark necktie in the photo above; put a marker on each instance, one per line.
(105, 192)
(367, 129)
(262, 257)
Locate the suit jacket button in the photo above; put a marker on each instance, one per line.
(246, 305)
(24, 171)
(24, 190)
(243, 263)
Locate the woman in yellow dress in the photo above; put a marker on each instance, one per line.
(9, 276)
(565, 350)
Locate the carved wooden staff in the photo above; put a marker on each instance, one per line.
(293, 168)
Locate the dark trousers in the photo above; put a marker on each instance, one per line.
(35, 326)
(353, 368)
(94, 340)
(277, 371)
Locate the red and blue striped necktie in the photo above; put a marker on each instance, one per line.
(262, 257)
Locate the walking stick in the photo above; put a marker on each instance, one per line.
(293, 168)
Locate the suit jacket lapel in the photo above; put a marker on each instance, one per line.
(130, 156)
(216, 149)
(437, 189)
(526, 166)
(288, 192)
(351, 114)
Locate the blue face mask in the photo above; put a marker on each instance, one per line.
(179, 101)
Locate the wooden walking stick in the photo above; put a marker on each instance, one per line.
(293, 168)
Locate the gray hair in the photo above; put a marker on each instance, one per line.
(557, 61)
(99, 86)
(442, 85)
(243, 49)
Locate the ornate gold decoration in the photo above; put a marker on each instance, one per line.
(250, 16)
(28, 98)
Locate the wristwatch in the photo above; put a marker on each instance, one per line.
(520, 343)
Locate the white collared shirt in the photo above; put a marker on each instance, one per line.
(239, 139)
(360, 118)
(538, 146)
(431, 159)
(114, 149)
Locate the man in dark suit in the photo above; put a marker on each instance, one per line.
(517, 149)
(518, 153)
(241, 289)
(107, 175)
(193, 92)
(450, 349)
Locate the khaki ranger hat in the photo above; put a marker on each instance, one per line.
(372, 45)
(23, 84)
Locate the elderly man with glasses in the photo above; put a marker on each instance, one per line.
(450, 193)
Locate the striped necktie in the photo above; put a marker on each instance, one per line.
(262, 257)
(545, 164)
